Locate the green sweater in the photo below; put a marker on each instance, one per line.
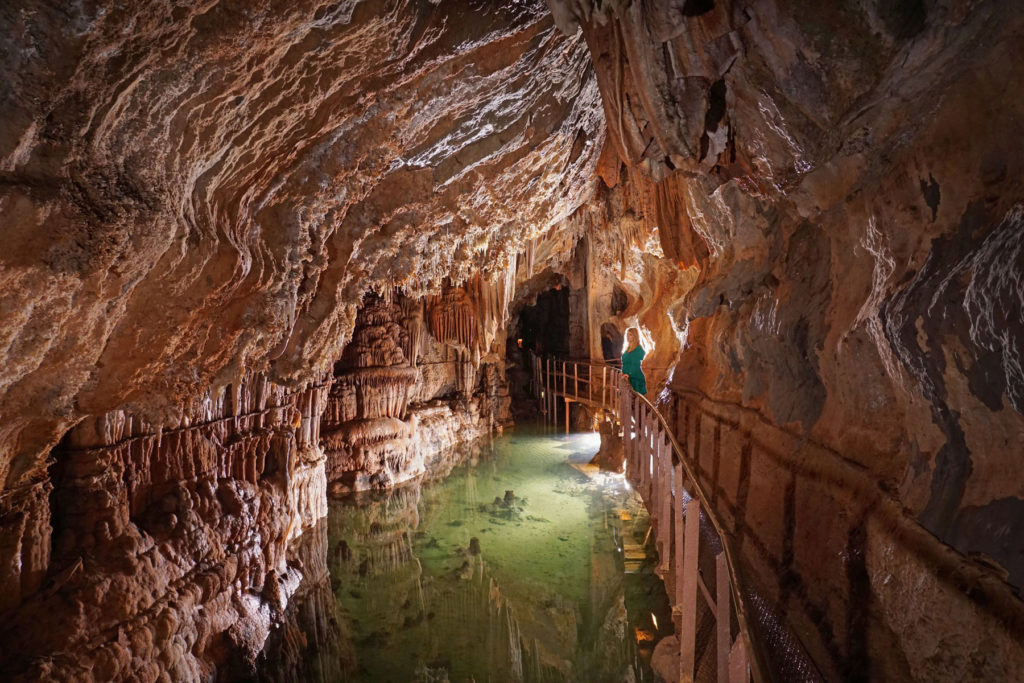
(631, 366)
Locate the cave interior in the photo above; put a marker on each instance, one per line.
(259, 256)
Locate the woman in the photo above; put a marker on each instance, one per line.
(631, 361)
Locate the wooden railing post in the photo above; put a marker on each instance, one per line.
(634, 435)
(722, 616)
(649, 448)
(544, 388)
(651, 465)
(638, 438)
(614, 395)
(551, 390)
(648, 452)
(645, 451)
(629, 433)
(688, 606)
(665, 498)
(677, 521)
(604, 383)
(554, 395)
(541, 396)
(634, 411)
(626, 419)
(547, 389)
(637, 435)
(739, 667)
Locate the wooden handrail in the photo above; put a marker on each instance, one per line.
(758, 664)
(646, 436)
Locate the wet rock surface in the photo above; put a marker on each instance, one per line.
(194, 196)
(211, 213)
(170, 548)
(836, 181)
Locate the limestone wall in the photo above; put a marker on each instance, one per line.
(837, 182)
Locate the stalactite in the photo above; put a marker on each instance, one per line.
(452, 317)
(412, 321)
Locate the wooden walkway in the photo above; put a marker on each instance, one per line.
(696, 559)
(556, 382)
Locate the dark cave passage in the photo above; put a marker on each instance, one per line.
(543, 326)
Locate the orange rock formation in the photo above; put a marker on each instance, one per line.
(253, 250)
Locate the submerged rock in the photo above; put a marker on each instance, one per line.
(508, 508)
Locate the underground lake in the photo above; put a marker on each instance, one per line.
(523, 563)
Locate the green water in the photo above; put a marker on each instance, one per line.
(511, 568)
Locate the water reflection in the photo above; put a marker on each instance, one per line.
(510, 569)
(310, 644)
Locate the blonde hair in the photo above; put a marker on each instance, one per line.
(628, 339)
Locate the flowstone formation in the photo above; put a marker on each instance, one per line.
(833, 179)
(390, 418)
(172, 543)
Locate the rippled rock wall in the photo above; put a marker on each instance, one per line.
(196, 195)
(837, 176)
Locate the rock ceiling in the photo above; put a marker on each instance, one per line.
(194, 189)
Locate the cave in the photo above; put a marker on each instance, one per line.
(312, 318)
(544, 326)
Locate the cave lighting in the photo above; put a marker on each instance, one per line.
(654, 620)
(590, 440)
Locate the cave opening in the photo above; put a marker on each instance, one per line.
(543, 326)
(612, 341)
